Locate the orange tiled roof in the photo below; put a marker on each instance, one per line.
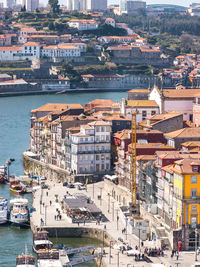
(57, 107)
(185, 133)
(31, 44)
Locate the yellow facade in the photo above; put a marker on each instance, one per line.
(194, 207)
(178, 189)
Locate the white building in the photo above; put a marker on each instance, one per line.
(30, 5)
(83, 24)
(61, 51)
(96, 5)
(28, 50)
(110, 21)
(143, 108)
(91, 148)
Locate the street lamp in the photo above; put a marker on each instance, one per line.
(126, 227)
(101, 195)
(113, 203)
(111, 243)
(108, 202)
(8, 163)
(102, 244)
(196, 231)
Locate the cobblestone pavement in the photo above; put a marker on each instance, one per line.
(46, 212)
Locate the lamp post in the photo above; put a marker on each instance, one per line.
(118, 259)
(102, 244)
(8, 163)
(113, 203)
(196, 244)
(126, 227)
(108, 202)
(117, 220)
(101, 195)
(45, 215)
(110, 255)
(93, 190)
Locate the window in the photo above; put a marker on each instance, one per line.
(193, 179)
(86, 139)
(195, 168)
(107, 166)
(193, 193)
(107, 137)
(194, 208)
(102, 167)
(144, 113)
(97, 157)
(102, 157)
(153, 112)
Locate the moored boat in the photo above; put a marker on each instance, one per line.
(25, 261)
(48, 258)
(3, 210)
(19, 213)
(16, 187)
(41, 241)
(3, 174)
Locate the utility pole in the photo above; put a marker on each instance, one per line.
(117, 221)
(108, 202)
(45, 215)
(139, 236)
(126, 227)
(118, 259)
(101, 195)
(110, 255)
(93, 190)
(196, 244)
(113, 210)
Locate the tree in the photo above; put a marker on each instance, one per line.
(54, 6)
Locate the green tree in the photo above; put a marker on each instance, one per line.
(55, 7)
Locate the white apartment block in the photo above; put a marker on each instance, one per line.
(30, 5)
(91, 148)
(33, 50)
(60, 51)
(29, 51)
(96, 5)
(83, 24)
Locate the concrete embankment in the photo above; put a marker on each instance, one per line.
(67, 91)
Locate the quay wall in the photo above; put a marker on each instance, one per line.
(54, 173)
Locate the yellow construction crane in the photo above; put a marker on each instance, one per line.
(134, 208)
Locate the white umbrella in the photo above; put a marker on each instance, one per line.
(77, 183)
(133, 252)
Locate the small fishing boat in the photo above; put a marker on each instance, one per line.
(41, 241)
(3, 210)
(25, 260)
(3, 174)
(19, 213)
(17, 187)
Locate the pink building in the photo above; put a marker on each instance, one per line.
(196, 111)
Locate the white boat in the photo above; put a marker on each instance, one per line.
(51, 258)
(41, 241)
(19, 213)
(3, 210)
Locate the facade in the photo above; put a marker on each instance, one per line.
(176, 138)
(60, 51)
(30, 5)
(81, 5)
(91, 148)
(110, 21)
(196, 111)
(131, 6)
(83, 24)
(96, 5)
(143, 108)
(166, 122)
(179, 100)
(5, 40)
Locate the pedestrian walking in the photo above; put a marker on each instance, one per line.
(84, 222)
(60, 217)
(142, 244)
(55, 217)
(47, 193)
(50, 202)
(104, 227)
(177, 255)
(43, 204)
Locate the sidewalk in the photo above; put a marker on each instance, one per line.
(47, 213)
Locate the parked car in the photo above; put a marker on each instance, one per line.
(70, 186)
(65, 184)
(81, 187)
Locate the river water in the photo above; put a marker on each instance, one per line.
(14, 139)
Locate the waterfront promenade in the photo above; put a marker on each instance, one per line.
(46, 211)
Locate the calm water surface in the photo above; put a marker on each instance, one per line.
(14, 139)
